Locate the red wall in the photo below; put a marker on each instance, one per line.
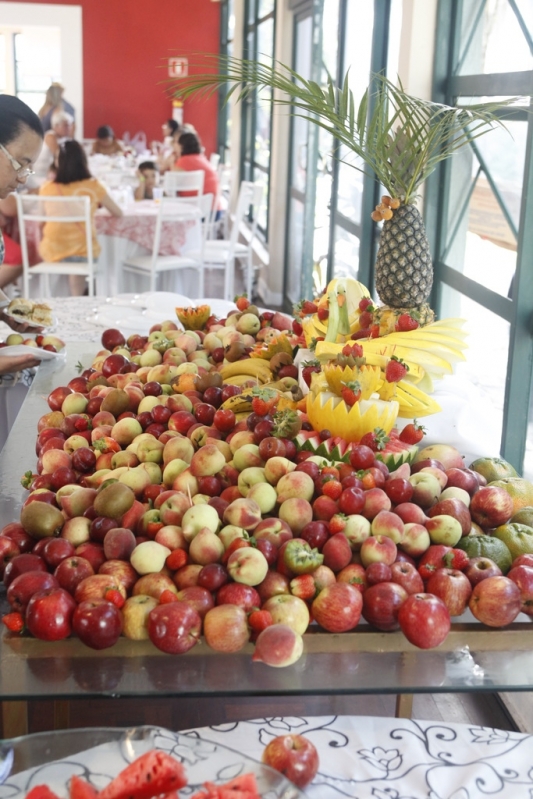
(125, 47)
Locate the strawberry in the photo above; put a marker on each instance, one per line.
(406, 322)
(351, 392)
(167, 596)
(374, 331)
(303, 586)
(259, 620)
(323, 314)
(366, 318)
(308, 369)
(14, 622)
(264, 400)
(365, 304)
(332, 489)
(337, 523)
(376, 440)
(396, 370)
(363, 333)
(114, 596)
(242, 302)
(353, 350)
(307, 307)
(456, 559)
(412, 433)
(176, 559)
(297, 328)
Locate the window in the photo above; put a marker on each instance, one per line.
(30, 60)
(259, 35)
(482, 248)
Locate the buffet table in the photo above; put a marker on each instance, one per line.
(472, 658)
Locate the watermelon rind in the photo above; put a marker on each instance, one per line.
(337, 450)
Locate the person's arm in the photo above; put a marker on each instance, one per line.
(139, 191)
(20, 326)
(111, 205)
(15, 363)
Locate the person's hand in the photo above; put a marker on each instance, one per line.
(20, 327)
(15, 363)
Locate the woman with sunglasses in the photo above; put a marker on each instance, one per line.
(21, 139)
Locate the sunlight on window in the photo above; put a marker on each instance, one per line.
(37, 63)
(3, 76)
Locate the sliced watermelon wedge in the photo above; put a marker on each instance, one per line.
(337, 449)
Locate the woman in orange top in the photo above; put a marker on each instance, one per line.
(65, 241)
(190, 158)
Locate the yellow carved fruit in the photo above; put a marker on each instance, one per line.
(328, 412)
(368, 377)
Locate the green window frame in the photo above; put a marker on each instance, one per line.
(453, 40)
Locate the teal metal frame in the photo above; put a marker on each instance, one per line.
(450, 53)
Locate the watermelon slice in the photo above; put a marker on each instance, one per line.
(338, 450)
(41, 792)
(148, 776)
(81, 789)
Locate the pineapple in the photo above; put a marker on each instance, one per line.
(404, 273)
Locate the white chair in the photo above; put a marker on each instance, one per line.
(214, 160)
(178, 181)
(222, 253)
(33, 211)
(153, 265)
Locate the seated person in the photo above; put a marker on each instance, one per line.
(163, 149)
(105, 143)
(65, 241)
(190, 157)
(148, 180)
(54, 101)
(167, 158)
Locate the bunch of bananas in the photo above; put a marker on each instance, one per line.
(240, 372)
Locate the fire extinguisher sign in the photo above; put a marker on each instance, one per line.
(178, 67)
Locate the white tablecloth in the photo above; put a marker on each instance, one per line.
(367, 757)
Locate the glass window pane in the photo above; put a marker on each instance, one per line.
(485, 366)
(295, 250)
(37, 63)
(346, 261)
(265, 7)
(330, 34)
(265, 41)
(493, 41)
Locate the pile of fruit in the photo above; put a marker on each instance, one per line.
(185, 487)
(43, 341)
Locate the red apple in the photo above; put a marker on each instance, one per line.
(97, 623)
(480, 568)
(453, 587)
(26, 585)
(523, 577)
(294, 756)
(337, 608)
(424, 620)
(381, 603)
(495, 601)
(49, 614)
(175, 627)
(455, 508)
(278, 645)
(406, 575)
(226, 628)
(491, 506)
(71, 571)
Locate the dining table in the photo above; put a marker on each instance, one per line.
(380, 757)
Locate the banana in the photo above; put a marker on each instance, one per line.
(240, 403)
(240, 380)
(255, 367)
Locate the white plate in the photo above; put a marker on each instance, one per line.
(99, 755)
(36, 352)
(128, 320)
(32, 327)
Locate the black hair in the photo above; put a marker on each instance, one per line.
(105, 132)
(147, 165)
(190, 144)
(71, 163)
(14, 116)
(173, 126)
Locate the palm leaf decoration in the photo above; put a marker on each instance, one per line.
(399, 137)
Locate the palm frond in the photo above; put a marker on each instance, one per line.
(399, 137)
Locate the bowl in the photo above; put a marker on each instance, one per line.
(99, 754)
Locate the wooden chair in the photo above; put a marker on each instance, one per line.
(154, 264)
(35, 210)
(181, 181)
